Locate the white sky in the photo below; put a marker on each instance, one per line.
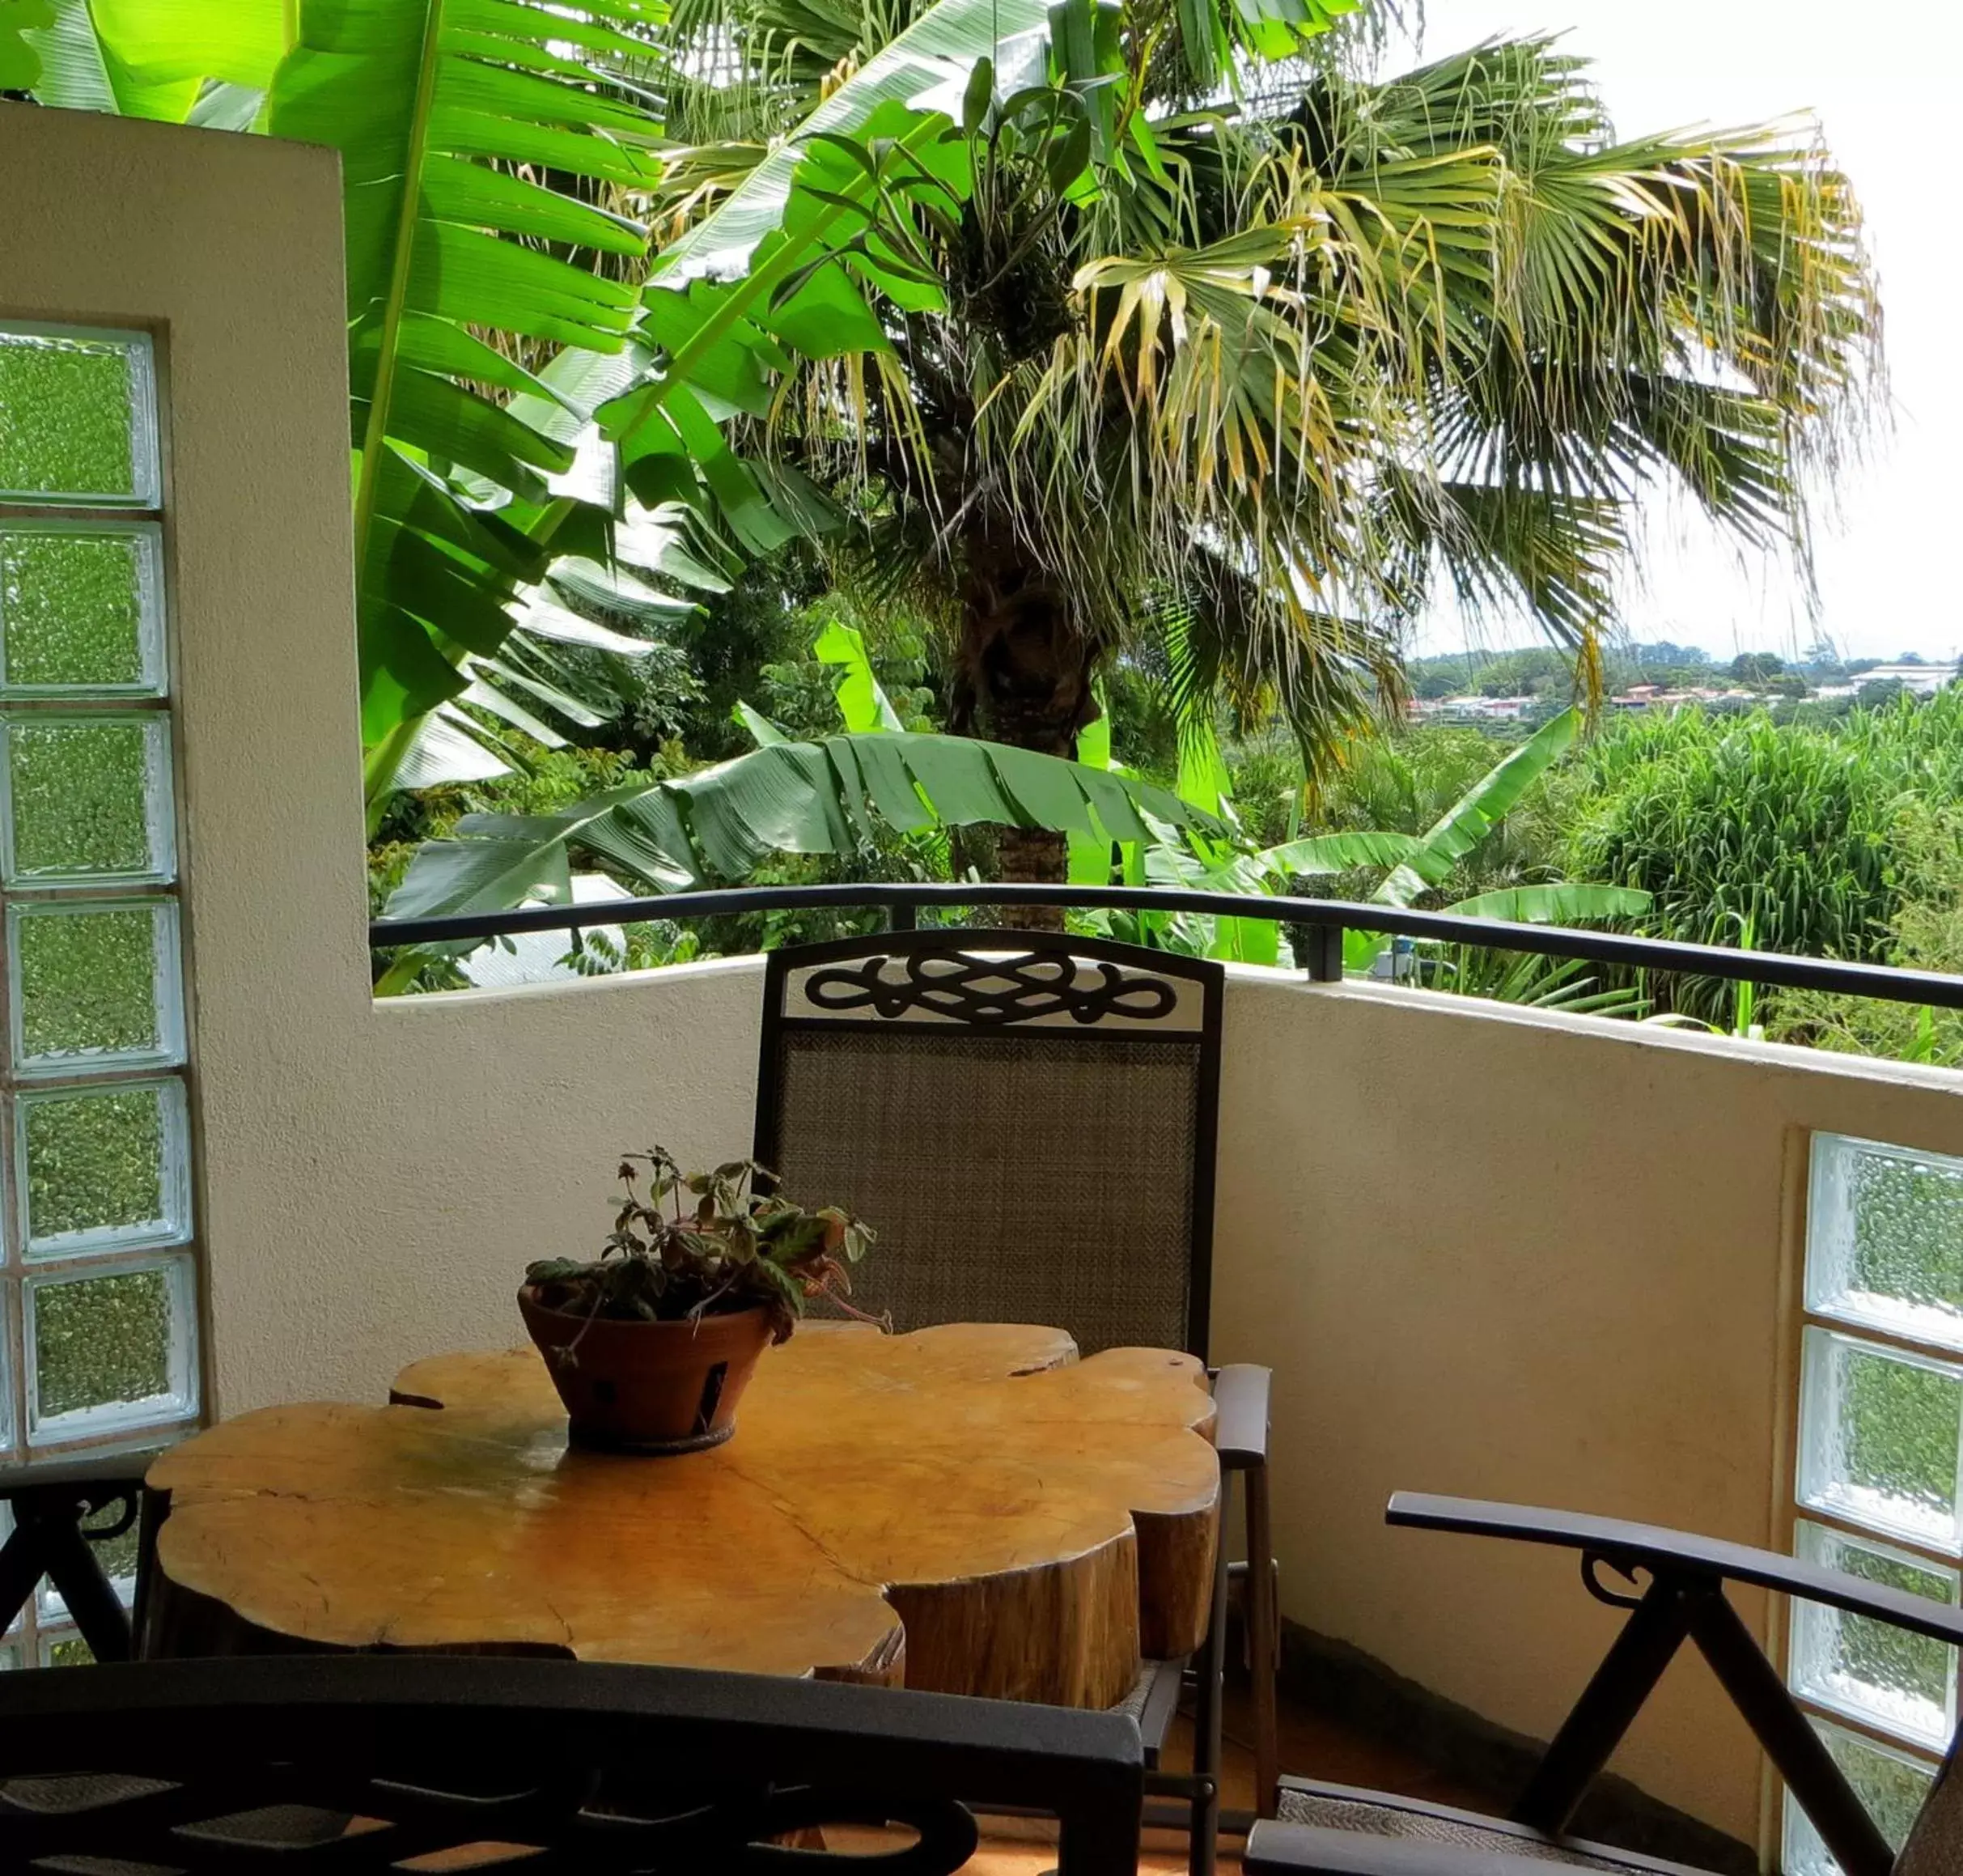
(1881, 79)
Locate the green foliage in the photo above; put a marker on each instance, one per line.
(1525, 977)
(1925, 933)
(454, 299)
(674, 834)
(1409, 866)
(722, 1246)
(20, 64)
(1793, 831)
(1375, 327)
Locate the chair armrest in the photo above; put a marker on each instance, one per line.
(1240, 1414)
(99, 1477)
(1279, 1849)
(1664, 1552)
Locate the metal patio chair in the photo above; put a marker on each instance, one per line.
(360, 1763)
(57, 1512)
(1029, 1119)
(1330, 1830)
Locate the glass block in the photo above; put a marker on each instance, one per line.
(117, 1555)
(81, 609)
(1892, 1785)
(68, 1650)
(1881, 1434)
(87, 799)
(1903, 1683)
(104, 1167)
(94, 986)
(1884, 1239)
(108, 1351)
(77, 418)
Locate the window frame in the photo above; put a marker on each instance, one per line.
(43, 1632)
(1818, 1320)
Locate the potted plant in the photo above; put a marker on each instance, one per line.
(651, 1345)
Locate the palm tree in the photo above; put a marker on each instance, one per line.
(1254, 356)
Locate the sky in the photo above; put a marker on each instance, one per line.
(1882, 80)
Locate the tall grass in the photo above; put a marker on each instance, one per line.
(1792, 833)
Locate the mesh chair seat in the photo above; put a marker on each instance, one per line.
(1336, 1807)
(275, 1827)
(1140, 1691)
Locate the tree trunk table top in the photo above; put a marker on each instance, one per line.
(968, 1509)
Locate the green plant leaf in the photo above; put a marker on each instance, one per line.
(1561, 903)
(20, 61)
(787, 797)
(1336, 853)
(1478, 812)
(435, 106)
(862, 701)
(923, 70)
(763, 732)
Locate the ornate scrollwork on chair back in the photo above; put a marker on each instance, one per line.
(991, 992)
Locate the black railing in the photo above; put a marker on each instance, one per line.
(1317, 925)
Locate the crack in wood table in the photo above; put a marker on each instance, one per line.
(968, 1509)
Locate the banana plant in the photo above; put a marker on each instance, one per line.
(486, 150)
(447, 114)
(826, 797)
(1198, 860)
(863, 707)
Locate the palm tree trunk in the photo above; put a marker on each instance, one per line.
(1024, 678)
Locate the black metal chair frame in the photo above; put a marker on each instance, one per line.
(1684, 1600)
(207, 1766)
(51, 1505)
(1241, 1419)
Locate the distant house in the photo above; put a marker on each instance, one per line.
(1471, 708)
(1924, 679)
(1654, 697)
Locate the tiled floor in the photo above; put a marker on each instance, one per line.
(1309, 1745)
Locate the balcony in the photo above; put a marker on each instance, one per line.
(1487, 1250)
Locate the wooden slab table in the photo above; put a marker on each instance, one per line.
(969, 1509)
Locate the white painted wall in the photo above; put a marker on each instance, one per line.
(1486, 1251)
(1505, 1255)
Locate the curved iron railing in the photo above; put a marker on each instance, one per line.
(1317, 925)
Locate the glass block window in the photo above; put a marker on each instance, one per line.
(1879, 1473)
(98, 1282)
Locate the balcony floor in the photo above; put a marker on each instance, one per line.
(1311, 1745)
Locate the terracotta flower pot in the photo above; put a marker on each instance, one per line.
(648, 1387)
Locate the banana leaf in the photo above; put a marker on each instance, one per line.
(20, 60)
(1090, 858)
(924, 70)
(1561, 903)
(1336, 853)
(788, 797)
(464, 128)
(151, 58)
(862, 701)
(1479, 810)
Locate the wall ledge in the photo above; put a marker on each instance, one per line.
(671, 979)
(1410, 1002)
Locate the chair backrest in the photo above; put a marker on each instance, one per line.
(357, 1762)
(1934, 1846)
(1028, 1120)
